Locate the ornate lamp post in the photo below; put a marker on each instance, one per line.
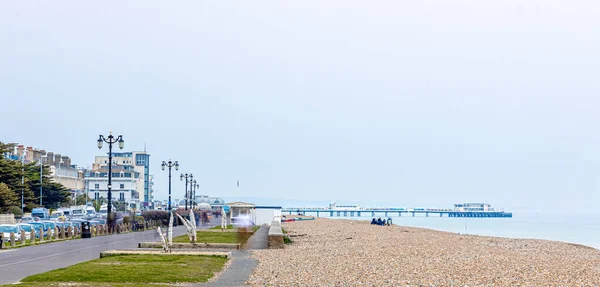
(187, 177)
(194, 185)
(170, 164)
(110, 140)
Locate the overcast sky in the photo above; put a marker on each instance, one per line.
(396, 103)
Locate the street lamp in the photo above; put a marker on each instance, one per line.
(194, 185)
(110, 140)
(41, 176)
(170, 164)
(187, 177)
(23, 180)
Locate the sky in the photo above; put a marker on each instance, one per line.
(376, 103)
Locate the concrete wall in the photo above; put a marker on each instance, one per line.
(7, 219)
(275, 240)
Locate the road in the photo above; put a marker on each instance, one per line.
(16, 264)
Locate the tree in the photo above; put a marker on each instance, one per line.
(5, 147)
(82, 199)
(54, 195)
(19, 177)
(7, 196)
(120, 205)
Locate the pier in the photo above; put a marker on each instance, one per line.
(374, 212)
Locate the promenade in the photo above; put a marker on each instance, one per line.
(329, 252)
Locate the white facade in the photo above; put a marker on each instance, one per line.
(138, 162)
(123, 188)
(265, 214)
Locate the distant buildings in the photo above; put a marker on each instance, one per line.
(130, 175)
(132, 182)
(61, 169)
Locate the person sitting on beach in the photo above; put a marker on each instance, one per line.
(373, 222)
(383, 222)
(389, 221)
(379, 222)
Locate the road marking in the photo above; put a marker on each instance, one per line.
(7, 250)
(61, 253)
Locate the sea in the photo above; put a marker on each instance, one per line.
(572, 228)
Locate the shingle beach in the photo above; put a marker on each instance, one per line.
(329, 252)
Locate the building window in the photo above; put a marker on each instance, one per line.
(96, 195)
(97, 186)
(122, 186)
(122, 196)
(141, 159)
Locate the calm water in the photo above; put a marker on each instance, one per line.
(580, 229)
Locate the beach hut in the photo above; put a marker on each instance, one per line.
(241, 209)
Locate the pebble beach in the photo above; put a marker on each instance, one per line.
(328, 252)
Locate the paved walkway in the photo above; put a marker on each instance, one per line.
(241, 264)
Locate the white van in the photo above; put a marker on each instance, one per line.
(91, 212)
(78, 212)
(103, 211)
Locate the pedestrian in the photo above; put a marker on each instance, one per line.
(223, 219)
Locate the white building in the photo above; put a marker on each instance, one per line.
(474, 207)
(138, 162)
(124, 186)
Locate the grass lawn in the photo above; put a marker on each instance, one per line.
(132, 270)
(209, 237)
(230, 226)
(217, 237)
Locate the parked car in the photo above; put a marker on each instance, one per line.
(41, 212)
(68, 224)
(57, 216)
(36, 226)
(27, 228)
(6, 229)
(73, 225)
(60, 225)
(27, 219)
(76, 224)
(100, 220)
(49, 226)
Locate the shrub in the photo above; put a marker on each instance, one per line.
(287, 240)
(15, 210)
(156, 215)
(126, 219)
